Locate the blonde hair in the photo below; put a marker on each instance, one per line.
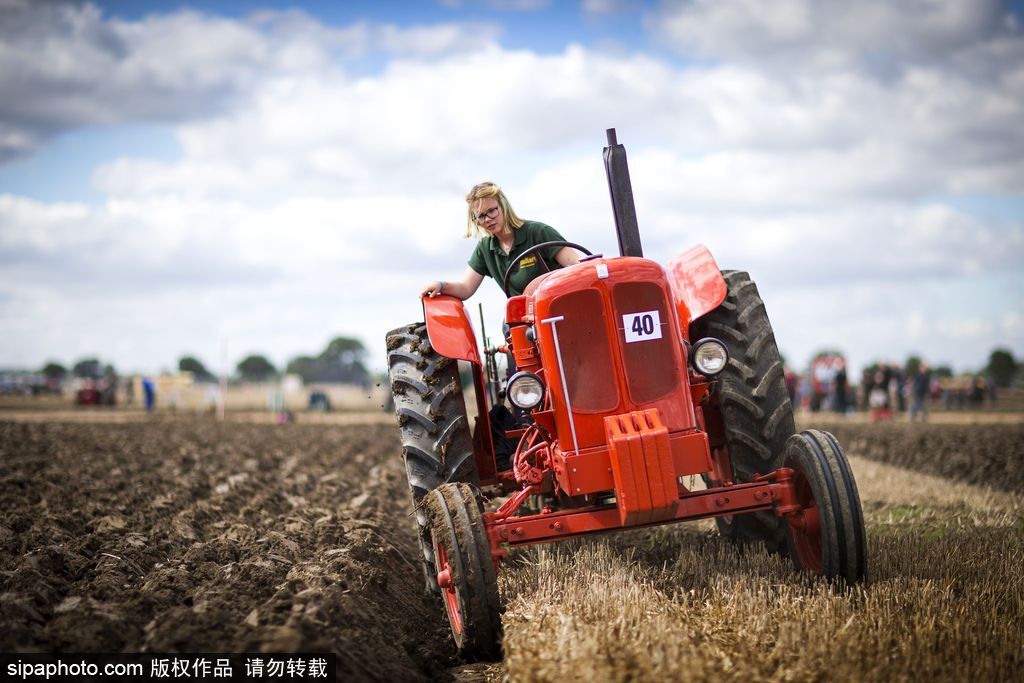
(487, 190)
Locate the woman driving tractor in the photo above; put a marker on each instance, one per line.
(504, 237)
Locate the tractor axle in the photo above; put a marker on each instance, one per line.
(771, 491)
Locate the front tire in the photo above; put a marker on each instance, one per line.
(756, 412)
(437, 446)
(466, 573)
(827, 534)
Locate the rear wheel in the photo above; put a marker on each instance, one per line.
(465, 571)
(756, 412)
(827, 534)
(437, 446)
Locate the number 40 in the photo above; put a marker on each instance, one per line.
(643, 325)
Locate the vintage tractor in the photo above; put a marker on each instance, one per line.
(629, 378)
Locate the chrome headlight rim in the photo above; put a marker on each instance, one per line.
(708, 345)
(524, 376)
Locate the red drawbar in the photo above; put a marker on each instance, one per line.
(646, 489)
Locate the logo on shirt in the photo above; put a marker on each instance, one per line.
(528, 262)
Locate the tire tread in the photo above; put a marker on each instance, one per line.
(756, 411)
(818, 456)
(455, 512)
(437, 446)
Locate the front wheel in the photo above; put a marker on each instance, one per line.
(466, 573)
(827, 533)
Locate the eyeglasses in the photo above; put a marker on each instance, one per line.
(488, 215)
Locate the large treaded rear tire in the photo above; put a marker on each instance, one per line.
(437, 446)
(756, 412)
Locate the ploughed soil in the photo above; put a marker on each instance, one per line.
(982, 454)
(188, 535)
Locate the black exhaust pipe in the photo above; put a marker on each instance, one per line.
(621, 189)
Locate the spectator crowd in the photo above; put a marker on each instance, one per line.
(889, 389)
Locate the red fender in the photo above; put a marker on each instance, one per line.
(449, 329)
(697, 283)
(452, 336)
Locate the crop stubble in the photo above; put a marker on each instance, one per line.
(188, 535)
(945, 600)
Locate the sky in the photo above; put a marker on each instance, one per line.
(222, 179)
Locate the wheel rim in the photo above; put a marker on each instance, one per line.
(447, 586)
(805, 526)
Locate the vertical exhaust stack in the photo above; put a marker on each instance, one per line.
(621, 189)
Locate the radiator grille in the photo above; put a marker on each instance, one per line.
(650, 364)
(586, 352)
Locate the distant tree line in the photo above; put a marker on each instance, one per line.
(342, 361)
(87, 368)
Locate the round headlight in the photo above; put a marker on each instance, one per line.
(709, 356)
(525, 390)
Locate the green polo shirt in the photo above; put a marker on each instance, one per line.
(489, 259)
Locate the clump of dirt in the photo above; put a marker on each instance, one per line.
(197, 536)
(987, 455)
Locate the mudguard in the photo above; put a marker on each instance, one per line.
(697, 283)
(451, 335)
(449, 329)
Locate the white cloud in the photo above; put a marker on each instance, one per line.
(1012, 324)
(805, 34)
(435, 41)
(178, 276)
(971, 328)
(314, 201)
(65, 65)
(754, 138)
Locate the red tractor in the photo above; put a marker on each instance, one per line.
(629, 378)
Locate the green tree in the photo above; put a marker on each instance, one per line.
(88, 368)
(54, 370)
(911, 366)
(196, 367)
(943, 371)
(341, 361)
(1002, 367)
(256, 368)
(305, 367)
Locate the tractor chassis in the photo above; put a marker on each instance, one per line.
(772, 491)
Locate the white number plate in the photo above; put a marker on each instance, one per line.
(643, 326)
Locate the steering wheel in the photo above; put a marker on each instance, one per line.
(534, 249)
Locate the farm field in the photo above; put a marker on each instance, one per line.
(176, 534)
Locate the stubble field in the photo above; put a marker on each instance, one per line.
(185, 534)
